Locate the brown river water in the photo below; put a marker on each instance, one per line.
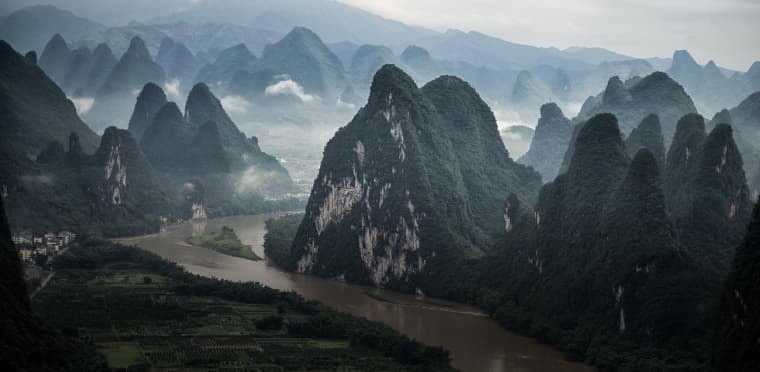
(476, 342)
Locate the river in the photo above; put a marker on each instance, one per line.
(476, 342)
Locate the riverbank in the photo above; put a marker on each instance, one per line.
(152, 314)
(476, 342)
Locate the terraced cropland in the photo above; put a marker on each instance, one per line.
(143, 313)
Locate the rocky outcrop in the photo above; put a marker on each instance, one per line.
(600, 232)
(119, 174)
(151, 99)
(550, 141)
(707, 192)
(374, 215)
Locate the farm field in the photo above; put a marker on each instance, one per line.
(144, 316)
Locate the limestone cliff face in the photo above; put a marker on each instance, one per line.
(119, 174)
(404, 187)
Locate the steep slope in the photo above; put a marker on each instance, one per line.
(638, 257)
(118, 174)
(685, 69)
(549, 143)
(632, 101)
(55, 59)
(648, 135)
(302, 55)
(101, 64)
(736, 346)
(752, 77)
(166, 139)
(681, 157)
(134, 69)
(374, 215)
(230, 61)
(177, 61)
(71, 191)
(80, 72)
(421, 65)
(78, 68)
(746, 115)
(596, 267)
(205, 160)
(33, 109)
(708, 194)
(367, 60)
(747, 132)
(202, 106)
(707, 85)
(151, 99)
(124, 82)
(243, 153)
(528, 94)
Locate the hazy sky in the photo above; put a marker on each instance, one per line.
(725, 30)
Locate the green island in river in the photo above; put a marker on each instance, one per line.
(225, 242)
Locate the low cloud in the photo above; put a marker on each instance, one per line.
(42, 178)
(291, 88)
(235, 105)
(82, 104)
(172, 90)
(506, 118)
(344, 105)
(255, 180)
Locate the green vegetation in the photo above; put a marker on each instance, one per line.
(121, 354)
(735, 346)
(609, 265)
(142, 312)
(430, 186)
(225, 241)
(279, 237)
(26, 343)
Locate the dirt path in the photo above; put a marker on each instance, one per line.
(44, 283)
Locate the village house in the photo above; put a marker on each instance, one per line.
(25, 255)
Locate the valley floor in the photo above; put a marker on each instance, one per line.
(144, 313)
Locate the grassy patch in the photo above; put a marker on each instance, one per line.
(331, 344)
(226, 242)
(121, 354)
